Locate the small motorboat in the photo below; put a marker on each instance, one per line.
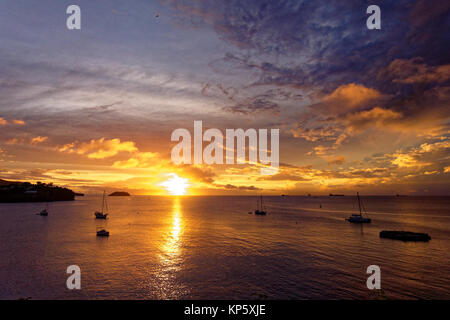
(405, 236)
(102, 233)
(44, 212)
(358, 218)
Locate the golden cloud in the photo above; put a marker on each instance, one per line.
(140, 160)
(321, 150)
(430, 147)
(99, 149)
(314, 134)
(14, 141)
(416, 71)
(377, 116)
(331, 119)
(406, 161)
(415, 157)
(336, 160)
(38, 139)
(352, 95)
(4, 122)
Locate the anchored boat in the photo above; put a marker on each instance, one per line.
(102, 233)
(44, 212)
(104, 212)
(261, 210)
(405, 236)
(358, 218)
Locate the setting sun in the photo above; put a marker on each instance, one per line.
(176, 185)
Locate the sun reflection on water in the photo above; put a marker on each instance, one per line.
(170, 255)
(171, 247)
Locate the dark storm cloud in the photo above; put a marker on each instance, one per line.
(267, 101)
(255, 104)
(328, 39)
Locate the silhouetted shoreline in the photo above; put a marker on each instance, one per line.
(13, 192)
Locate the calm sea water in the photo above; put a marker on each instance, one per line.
(211, 248)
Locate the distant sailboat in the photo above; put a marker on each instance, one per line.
(260, 207)
(104, 213)
(358, 218)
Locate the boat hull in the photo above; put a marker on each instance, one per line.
(359, 220)
(405, 236)
(99, 215)
(103, 234)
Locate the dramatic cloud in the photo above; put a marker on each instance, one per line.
(99, 149)
(376, 117)
(4, 122)
(336, 160)
(414, 70)
(38, 139)
(140, 160)
(349, 96)
(422, 155)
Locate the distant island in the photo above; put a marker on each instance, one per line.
(119, 194)
(11, 191)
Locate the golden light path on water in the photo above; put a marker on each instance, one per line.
(170, 254)
(172, 246)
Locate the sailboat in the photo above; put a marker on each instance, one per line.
(358, 218)
(104, 213)
(260, 208)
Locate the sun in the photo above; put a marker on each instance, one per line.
(176, 185)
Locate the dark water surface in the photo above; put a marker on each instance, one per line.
(211, 248)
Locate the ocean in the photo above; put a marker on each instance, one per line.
(209, 247)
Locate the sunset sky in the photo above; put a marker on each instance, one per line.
(358, 110)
